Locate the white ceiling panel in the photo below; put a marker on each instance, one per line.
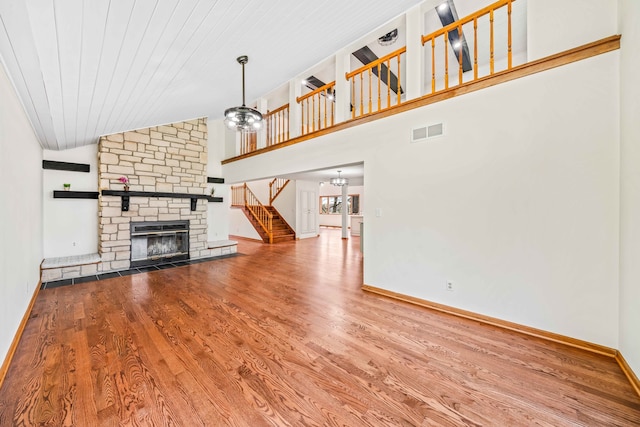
(85, 68)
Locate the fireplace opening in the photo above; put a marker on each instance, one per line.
(159, 242)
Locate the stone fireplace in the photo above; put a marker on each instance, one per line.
(170, 161)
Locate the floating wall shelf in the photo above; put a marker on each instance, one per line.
(212, 180)
(75, 194)
(126, 195)
(64, 166)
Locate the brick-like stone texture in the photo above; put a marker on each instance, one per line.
(168, 158)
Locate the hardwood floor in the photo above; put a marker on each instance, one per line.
(283, 335)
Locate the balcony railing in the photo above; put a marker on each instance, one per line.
(470, 54)
(248, 142)
(377, 85)
(318, 108)
(484, 39)
(277, 125)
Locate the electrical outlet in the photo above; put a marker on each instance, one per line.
(74, 243)
(449, 285)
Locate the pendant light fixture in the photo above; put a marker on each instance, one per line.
(243, 119)
(339, 181)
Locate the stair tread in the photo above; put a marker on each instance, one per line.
(281, 231)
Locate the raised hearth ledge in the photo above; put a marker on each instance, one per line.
(69, 261)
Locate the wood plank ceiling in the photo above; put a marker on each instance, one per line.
(85, 68)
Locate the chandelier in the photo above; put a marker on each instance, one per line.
(339, 181)
(244, 119)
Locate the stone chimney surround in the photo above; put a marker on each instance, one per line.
(164, 159)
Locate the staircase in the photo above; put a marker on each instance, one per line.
(280, 231)
(267, 221)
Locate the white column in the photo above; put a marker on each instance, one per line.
(295, 112)
(343, 92)
(345, 212)
(414, 75)
(262, 134)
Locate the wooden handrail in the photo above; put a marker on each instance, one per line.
(456, 27)
(277, 125)
(277, 110)
(318, 110)
(375, 70)
(376, 62)
(275, 188)
(469, 18)
(316, 91)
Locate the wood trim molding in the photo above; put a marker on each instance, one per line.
(527, 330)
(563, 58)
(18, 335)
(515, 327)
(631, 376)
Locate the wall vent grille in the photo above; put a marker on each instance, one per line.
(423, 133)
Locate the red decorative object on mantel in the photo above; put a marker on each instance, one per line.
(125, 181)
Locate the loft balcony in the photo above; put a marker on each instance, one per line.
(422, 57)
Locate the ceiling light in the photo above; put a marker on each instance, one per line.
(456, 45)
(244, 119)
(443, 6)
(389, 38)
(339, 181)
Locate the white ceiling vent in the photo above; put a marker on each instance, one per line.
(423, 133)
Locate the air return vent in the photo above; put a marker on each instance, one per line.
(423, 133)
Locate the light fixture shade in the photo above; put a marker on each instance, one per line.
(339, 181)
(244, 119)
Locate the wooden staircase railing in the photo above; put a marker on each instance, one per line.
(370, 77)
(457, 27)
(275, 188)
(277, 125)
(241, 195)
(318, 108)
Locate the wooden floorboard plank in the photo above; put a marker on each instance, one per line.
(284, 335)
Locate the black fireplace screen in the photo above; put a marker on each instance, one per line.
(159, 242)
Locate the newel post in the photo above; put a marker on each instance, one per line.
(413, 85)
(295, 111)
(342, 88)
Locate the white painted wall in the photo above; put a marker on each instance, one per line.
(330, 190)
(70, 225)
(217, 213)
(630, 185)
(517, 204)
(21, 213)
(285, 203)
(555, 26)
(240, 226)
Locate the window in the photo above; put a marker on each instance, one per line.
(330, 205)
